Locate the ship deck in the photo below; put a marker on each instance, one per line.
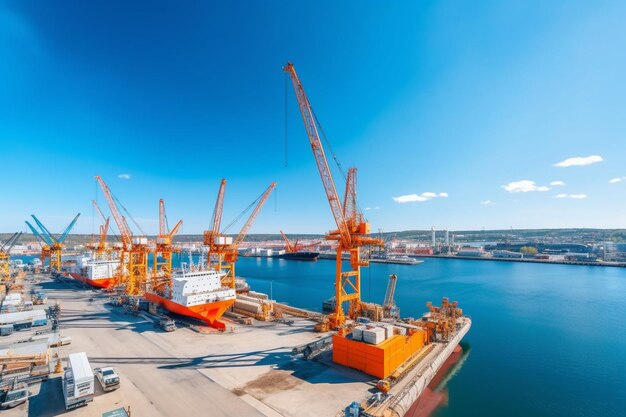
(248, 371)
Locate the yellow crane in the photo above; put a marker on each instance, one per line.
(52, 247)
(162, 267)
(5, 256)
(133, 270)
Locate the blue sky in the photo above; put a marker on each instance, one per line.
(471, 103)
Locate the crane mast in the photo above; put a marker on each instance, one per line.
(132, 272)
(352, 232)
(5, 254)
(162, 266)
(225, 249)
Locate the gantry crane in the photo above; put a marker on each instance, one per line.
(5, 254)
(352, 230)
(133, 270)
(51, 246)
(224, 249)
(162, 269)
(295, 247)
(101, 248)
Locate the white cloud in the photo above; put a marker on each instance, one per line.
(487, 203)
(574, 196)
(124, 176)
(371, 208)
(524, 186)
(579, 161)
(411, 198)
(616, 180)
(557, 183)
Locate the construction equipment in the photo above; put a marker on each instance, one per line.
(5, 254)
(162, 268)
(391, 309)
(51, 246)
(295, 247)
(101, 248)
(223, 250)
(132, 273)
(352, 230)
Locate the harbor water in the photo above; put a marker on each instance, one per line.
(546, 340)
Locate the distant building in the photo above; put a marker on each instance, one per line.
(506, 254)
(471, 252)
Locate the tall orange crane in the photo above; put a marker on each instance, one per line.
(101, 248)
(294, 247)
(224, 249)
(133, 270)
(51, 246)
(162, 268)
(352, 230)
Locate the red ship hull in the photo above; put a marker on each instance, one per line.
(208, 313)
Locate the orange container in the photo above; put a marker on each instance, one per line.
(377, 360)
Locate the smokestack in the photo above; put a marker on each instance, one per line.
(434, 241)
(447, 237)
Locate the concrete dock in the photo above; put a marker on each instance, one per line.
(246, 371)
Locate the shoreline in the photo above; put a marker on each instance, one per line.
(522, 260)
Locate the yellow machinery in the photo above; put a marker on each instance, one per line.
(51, 246)
(5, 255)
(352, 230)
(132, 273)
(222, 248)
(101, 248)
(162, 268)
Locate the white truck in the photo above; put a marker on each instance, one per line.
(109, 379)
(78, 381)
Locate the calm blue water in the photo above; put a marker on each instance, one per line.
(546, 340)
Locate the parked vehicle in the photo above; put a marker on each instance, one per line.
(78, 381)
(14, 396)
(61, 341)
(109, 379)
(167, 324)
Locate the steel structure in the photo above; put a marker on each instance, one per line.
(162, 266)
(352, 230)
(132, 274)
(295, 247)
(101, 248)
(51, 247)
(223, 251)
(5, 255)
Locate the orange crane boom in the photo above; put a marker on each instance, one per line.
(162, 260)
(352, 232)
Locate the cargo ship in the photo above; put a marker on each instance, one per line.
(405, 355)
(98, 273)
(198, 294)
(299, 256)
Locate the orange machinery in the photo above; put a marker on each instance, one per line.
(352, 229)
(224, 249)
(378, 360)
(162, 267)
(295, 247)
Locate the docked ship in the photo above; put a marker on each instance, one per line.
(198, 294)
(95, 272)
(299, 256)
